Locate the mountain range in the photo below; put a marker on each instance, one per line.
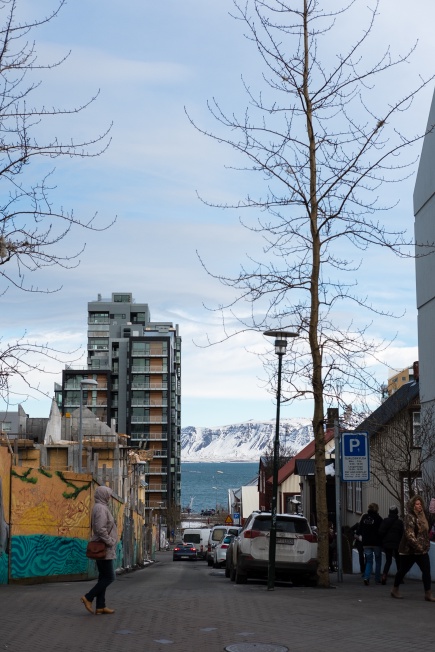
(242, 442)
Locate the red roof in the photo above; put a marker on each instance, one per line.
(305, 454)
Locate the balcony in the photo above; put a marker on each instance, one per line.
(155, 486)
(155, 385)
(147, 370)
(145, 403)
(147, 419)
(142, 436)
(157, 470)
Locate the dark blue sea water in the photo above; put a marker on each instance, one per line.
(204, 485)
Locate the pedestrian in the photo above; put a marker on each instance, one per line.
(357, 544)
(414, 548)
(371, 541)
(391, 531)
(104, 529)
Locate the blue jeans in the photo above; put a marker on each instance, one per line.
(369, 553)
(106, 575)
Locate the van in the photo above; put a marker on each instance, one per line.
(217, 533)
(199, 537)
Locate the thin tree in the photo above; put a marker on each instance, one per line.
(31, 227)
(324, 142)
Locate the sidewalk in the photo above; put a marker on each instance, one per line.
(188, 606)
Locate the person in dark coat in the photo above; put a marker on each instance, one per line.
(369, 529)
(104, 529)
(357, 544)
(391, 532)
(414, 548)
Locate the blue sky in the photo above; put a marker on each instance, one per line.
(151, 60)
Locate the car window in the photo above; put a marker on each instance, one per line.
(296, 526)
(218, 534)
(193, 538)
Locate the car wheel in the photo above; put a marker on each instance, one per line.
(210, 562)
(240, 578)
(227, 572)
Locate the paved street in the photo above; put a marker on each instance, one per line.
(183, 606)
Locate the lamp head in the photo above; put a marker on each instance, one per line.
(280, 340)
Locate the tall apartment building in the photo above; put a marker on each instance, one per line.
(137, 366)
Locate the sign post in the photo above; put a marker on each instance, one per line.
(355, 459)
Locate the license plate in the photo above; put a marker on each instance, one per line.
(185, 557)
(287, 542)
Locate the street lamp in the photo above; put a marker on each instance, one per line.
(280, 349)
(84, 381)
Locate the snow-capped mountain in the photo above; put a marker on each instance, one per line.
(241, 442)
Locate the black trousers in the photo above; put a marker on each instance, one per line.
(407, 562)
(389, 554)
(106, 575)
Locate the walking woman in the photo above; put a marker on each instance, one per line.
(414, 548)
(104, 529)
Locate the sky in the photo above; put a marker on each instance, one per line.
(150, 63)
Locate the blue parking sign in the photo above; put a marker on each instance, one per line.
(355, 457)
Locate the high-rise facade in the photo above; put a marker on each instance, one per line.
(137, 366)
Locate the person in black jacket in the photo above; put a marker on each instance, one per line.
(391, 531)
(369, 530)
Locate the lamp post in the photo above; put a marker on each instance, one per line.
(84, 381)
(280, 349)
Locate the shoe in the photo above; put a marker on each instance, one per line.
(104, 610)
(428, 596)
(88, 605)
(366, 582)
(384, 579)
(395, 593)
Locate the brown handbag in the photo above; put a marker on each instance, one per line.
(96, 550)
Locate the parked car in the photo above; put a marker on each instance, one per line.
(216, 534)
(296, 549)
(220, 551)
(199, 537)
(184, 551)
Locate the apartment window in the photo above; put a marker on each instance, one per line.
(6, 426)
(122, 298)
(140, 348)
(98, 317)
(416, 428)
(417, 487)
(358, 497)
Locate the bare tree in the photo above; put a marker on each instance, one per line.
(324, 141)
(31, 228)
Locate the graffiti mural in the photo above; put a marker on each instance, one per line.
(50, 523)
(4, 513)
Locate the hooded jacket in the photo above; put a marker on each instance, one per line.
(391, 530)
(415, 540)
(103, 523)
(369, 528)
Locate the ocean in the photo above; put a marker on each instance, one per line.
(204, 485)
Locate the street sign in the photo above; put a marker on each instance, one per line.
(236, 518)
(355, 459)
(229, 520)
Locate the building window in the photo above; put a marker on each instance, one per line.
(417, 487)
(122, 298)
(416, 429)
(6, 426)
(358, 497)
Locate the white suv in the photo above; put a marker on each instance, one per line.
(296, 549)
